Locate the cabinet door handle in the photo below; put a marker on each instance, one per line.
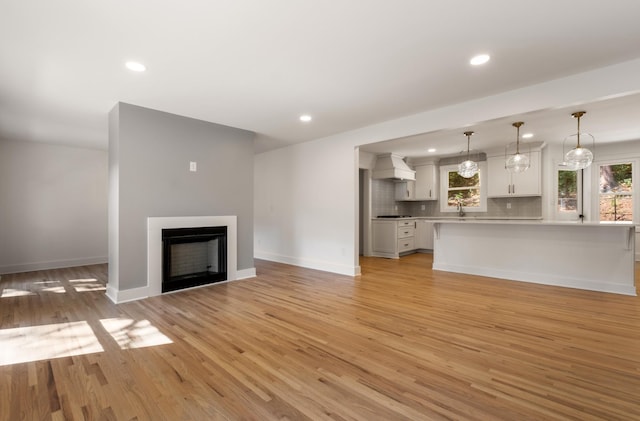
(407, 193)
(429, 192)
(513, 189)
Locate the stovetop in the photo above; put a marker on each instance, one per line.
(394, 216)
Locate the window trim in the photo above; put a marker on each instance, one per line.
(569, 216)
(444, 188)
(595, 188)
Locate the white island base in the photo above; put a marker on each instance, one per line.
(589, 256)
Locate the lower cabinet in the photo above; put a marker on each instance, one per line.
(406, 237)
(392, 238)
(385, 238)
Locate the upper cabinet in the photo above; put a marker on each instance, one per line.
(426, 182)
(405, 190)
(424, 188)
(502, 183)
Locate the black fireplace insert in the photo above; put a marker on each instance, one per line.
(193, 257)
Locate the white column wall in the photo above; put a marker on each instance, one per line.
(304, 206)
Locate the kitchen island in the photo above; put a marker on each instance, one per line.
(591, 256)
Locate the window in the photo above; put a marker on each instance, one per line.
(468, 192)
(568, 198)
(615, 192)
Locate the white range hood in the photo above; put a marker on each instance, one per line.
(392, 166)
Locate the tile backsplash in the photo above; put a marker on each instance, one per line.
(520, 207)
(383, 200)
(383, 203)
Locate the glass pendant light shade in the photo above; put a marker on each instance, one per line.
(517, 162)
(578, 158)
(468, 168)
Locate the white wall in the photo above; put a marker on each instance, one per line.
(53, 206)
(304, 206)
(306, 194)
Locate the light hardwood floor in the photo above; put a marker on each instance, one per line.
(399, 342)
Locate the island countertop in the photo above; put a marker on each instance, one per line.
(458, 218)
(521, 220)
(527, 221)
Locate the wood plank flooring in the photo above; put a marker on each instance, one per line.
(400, 342)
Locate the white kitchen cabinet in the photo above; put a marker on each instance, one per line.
(424, 234)
(502, 183)
(406, 244)
(405, 190)
(426, 184)
(390, 238)
(385, 238)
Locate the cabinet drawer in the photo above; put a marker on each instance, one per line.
(406, 244)
(406, 223)
(406, 232)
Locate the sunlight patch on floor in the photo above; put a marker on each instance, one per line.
(34, 343)
(10, 292)
(50, 286)
(55, 290)
(87, 285)
(131, 334)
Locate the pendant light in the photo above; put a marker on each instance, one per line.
(578, 158)
(468, 168)
(517, 162)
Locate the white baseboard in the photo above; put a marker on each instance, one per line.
(309, 263)
(133, 294)
(245, 273)
(52, 264)
(539, 278)
(125, 295)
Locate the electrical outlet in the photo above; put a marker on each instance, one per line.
(422, 207)
(395, 207)
(193, 166)
(508, 205)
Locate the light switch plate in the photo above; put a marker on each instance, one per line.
(193, 166)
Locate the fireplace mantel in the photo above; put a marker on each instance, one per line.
(155, 225)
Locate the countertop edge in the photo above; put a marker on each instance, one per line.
(512, 221)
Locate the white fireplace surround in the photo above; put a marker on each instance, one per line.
(155, 225)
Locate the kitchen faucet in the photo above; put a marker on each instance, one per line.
(460, 210)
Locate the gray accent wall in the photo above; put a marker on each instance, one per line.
(149, 156)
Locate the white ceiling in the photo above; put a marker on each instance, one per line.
(608, 121)
(258, 64)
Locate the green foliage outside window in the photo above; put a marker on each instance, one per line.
(616, 192)
(567, 191)
(464, 191)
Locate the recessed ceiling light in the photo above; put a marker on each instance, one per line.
(305, 118)
(527, 135)
(134, 66)
(431, 150)
(479, 59)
